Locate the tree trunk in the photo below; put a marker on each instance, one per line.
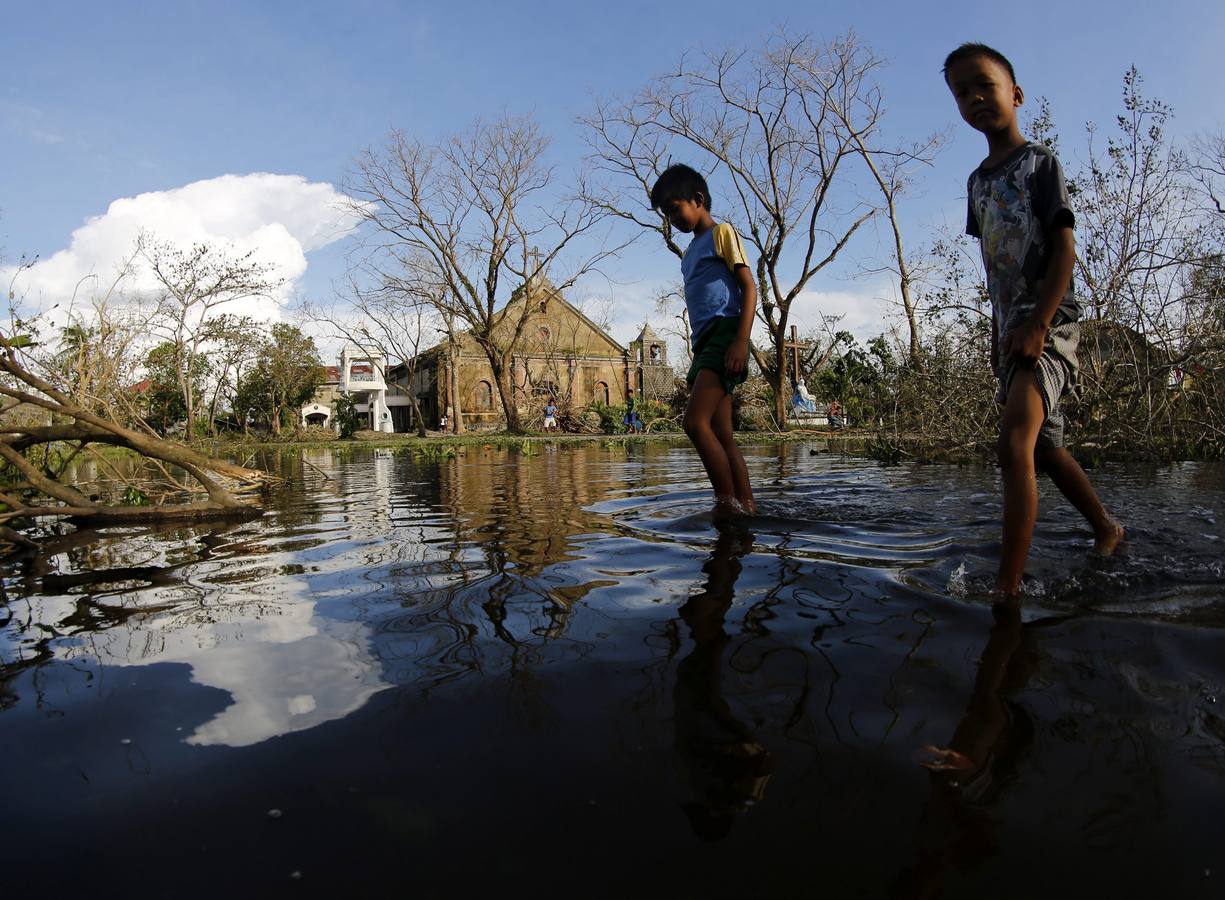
(776, 377)
(503, 370)
(457, 409)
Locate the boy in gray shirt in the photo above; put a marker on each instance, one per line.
(1019, 210)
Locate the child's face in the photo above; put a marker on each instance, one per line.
(685, 215)
(986, 96)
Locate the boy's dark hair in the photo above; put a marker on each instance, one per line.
(679, 182)
(971, 50)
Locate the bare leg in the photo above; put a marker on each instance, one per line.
(704, 401)
(1023, 415)
(727, 437)
(1074, 484)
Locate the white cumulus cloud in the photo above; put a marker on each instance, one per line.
(280, 218)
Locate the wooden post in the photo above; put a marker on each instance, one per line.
(794, 346)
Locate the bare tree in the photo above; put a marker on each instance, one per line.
(99, 351)
(669, 303)
(36, 456)
(776, 125)
(893, 168)
(478, 216)
(192, 285)
(1150, 241)
(234, 344)
(1208, 169)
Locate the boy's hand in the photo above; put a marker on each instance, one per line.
(1025, 343)
(736, 359)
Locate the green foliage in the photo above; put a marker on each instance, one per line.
(611, 417)
(348, 419)
(433, 452)
(134, 497)
(859, 378)
(285, 377)
(656, 416)
(162, 401)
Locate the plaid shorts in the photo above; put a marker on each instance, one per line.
(1056, 372)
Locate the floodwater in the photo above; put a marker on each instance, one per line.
(547, 674)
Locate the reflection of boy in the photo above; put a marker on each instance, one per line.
(1019, 209)
(980, 758)
(721, 298)
(728, 768)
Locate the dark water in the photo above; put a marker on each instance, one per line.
(549, 675)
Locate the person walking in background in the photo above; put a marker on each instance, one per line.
(633, 424)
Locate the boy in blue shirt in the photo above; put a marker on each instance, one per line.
(1020, 211)
(721, 298)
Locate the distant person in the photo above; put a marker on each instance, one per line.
(1018, 207)
(550, 415)
(835, 415)
(720, 297)
(633, 424)
(442, 423)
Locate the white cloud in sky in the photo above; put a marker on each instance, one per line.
(281, 218)
(865, 313)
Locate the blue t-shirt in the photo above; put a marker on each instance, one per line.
(708, 267)
(550, 410)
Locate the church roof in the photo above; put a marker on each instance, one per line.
(647, 334)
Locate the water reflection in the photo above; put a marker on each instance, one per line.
(727, 767)
(212, 597)
(958, 827)
(454, 653)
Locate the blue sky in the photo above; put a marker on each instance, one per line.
(109, 101)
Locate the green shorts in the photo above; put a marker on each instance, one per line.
(710, 351)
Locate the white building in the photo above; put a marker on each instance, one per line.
(362, 374)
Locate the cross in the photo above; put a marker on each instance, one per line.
(795, 345)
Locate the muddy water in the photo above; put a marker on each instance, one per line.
(548, 674)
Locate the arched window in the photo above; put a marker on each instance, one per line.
(601, 393)
(482, 397)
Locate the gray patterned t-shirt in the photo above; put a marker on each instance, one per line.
(1012, 208)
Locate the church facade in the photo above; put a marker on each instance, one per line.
(562, 354)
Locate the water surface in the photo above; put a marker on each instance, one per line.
(548, 673)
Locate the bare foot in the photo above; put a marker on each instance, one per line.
(727, 509)
(1107, 541)
(942, 759)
